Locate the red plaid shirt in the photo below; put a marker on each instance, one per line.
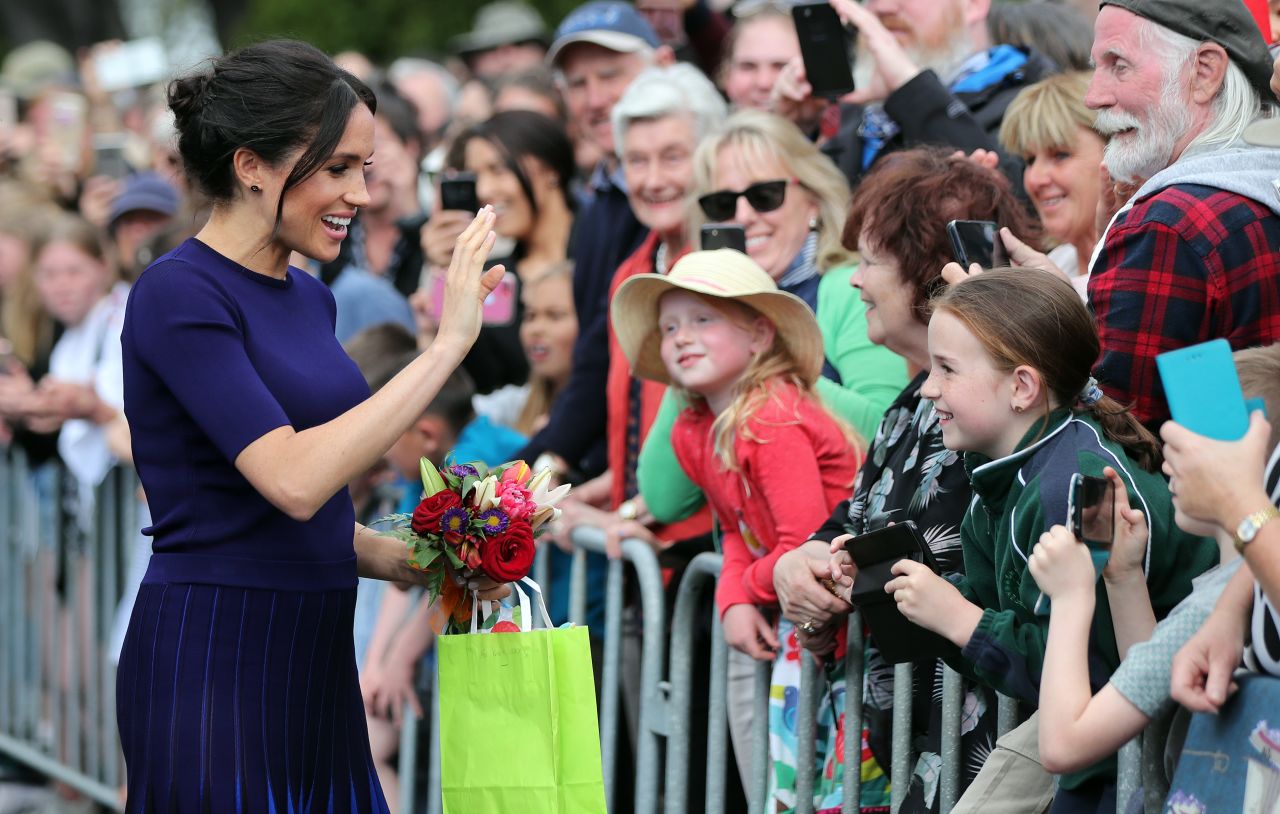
(1186, 264)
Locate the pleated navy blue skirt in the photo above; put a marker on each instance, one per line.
(243, 700)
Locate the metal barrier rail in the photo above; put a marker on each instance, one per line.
(57, 677)
(699, 578)
(57, 674)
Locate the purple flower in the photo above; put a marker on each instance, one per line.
(463, 470)
(454, 521)
(493, 521)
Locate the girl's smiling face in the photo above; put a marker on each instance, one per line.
(974, 400)
(706, 347)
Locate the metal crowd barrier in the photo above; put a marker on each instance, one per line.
(57, 676)
(57, 606)
(699, 579)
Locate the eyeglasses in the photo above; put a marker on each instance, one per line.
(764, 196)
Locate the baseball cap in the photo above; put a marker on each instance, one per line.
(607, 23)
(144, 192)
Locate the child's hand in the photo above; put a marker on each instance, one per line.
(1129, 551)
(1200, 679)
(1061, 564)
(746, 629)
(932, 602)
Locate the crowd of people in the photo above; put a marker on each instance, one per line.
(208, 278)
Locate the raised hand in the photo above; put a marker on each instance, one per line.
(467, 283)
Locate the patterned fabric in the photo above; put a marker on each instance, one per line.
(910, 475)
(1187, 264)
(829, 734)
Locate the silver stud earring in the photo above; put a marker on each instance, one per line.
(256, 188)
(813, 224)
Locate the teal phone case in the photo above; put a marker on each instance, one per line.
(1203, 390)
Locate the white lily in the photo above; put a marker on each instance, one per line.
(542, 497)
(486, 494)
(542, 515)
(538, 481)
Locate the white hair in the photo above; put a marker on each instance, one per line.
(1236, 103)
(670, 91)
(405, 67)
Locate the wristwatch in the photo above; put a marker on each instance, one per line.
(1251, 525)
(628, 510)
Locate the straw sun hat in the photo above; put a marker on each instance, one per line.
(726, 274)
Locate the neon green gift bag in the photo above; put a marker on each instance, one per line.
(518, 728)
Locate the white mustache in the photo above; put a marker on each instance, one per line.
(1110, 122)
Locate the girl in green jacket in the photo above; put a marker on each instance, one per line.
(1011, 351)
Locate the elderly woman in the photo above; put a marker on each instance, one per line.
(898, 222)
(1050, 127)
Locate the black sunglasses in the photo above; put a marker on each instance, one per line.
(764, 196)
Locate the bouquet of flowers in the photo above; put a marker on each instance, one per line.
(475, 521)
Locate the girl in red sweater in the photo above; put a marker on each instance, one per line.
(770, 458)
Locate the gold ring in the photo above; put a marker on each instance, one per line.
(808, 627)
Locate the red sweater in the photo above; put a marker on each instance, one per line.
(794, 472)
(618, 399)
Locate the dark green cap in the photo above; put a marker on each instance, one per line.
(1226, 22)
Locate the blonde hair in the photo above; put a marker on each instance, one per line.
(542, 391)
(756, 387)
(1259, 371)
(1047, 114)
(762, 138)
(23, 321)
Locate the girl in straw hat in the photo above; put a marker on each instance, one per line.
(770, 458)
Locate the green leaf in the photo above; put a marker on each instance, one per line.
(453, 558)
(423, 557)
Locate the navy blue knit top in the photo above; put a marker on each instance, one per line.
(215, 357)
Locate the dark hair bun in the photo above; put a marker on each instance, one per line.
(187, 96)
(272, 97)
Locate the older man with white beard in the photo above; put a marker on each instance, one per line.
(1195, 253)
(927, 73)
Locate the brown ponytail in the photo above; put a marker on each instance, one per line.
(1028, 317)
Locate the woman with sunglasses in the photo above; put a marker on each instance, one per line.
(760, 172)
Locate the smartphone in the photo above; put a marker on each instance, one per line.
(499, 307)
(67, 121)
(724, 236)
(131, 64)
(458, 192)
(977, 241)
(825, 47)
(1203, 390)
(1092, 503)
(1091, 510)
(108, 155)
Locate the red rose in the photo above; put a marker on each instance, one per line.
(426, 518)
(509, 557)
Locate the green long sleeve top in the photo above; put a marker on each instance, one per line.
(871, 378)
(1016, 499)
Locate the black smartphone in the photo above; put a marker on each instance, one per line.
(458, 192)
(108, 155)
(1093, 510)
(875, 554)
(825, 47)
(724, 236)
(977, 241)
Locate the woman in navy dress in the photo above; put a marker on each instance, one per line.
(237, 687)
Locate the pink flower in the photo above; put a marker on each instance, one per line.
(515, 500)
